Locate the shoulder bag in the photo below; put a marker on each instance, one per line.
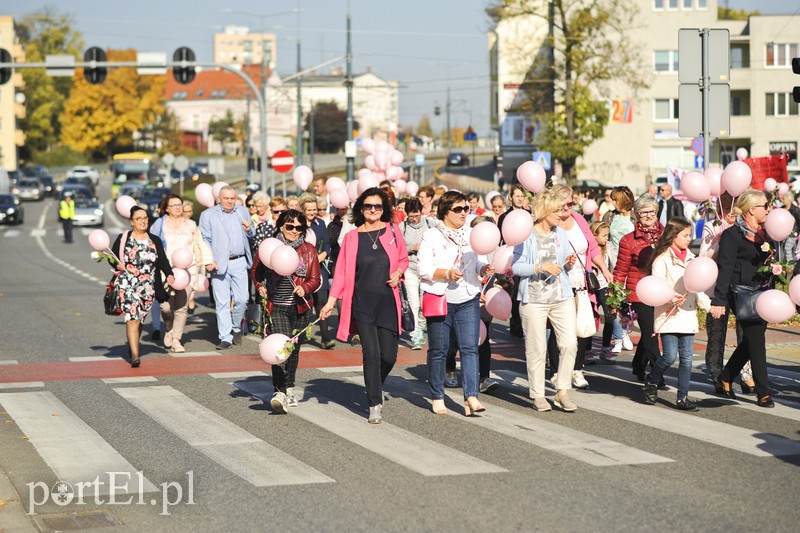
(744, 299)
(585, 325)
(407, 316)
(592, 283)
(111, 303)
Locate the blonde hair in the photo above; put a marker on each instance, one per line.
(748, 200)
(596, 228)
(544, 203)
(561, 190)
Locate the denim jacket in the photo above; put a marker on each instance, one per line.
(524, 263)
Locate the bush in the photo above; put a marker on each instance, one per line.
(61, 156)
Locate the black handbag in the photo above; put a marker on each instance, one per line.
(407, 318)
(111, 298)
(592, 283)
(744, 300)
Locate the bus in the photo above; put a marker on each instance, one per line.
(133, 166)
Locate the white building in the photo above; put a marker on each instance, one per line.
(239, 46)
(12, 106)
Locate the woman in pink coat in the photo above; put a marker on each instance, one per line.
(373, 258)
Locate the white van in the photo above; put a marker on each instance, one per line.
(5, 182)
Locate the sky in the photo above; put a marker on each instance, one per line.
(425, 45)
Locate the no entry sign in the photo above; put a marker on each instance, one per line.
(282, 161)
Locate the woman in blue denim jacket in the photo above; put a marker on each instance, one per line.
(543, 262)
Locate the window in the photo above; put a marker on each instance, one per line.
(672, 4)
(687, 4)
(780, 54)
(740, 55)
(658, 4)
(740, 103)
(666, 109)
(780, 105)
(666, 60)
(199, 93)
(702, 4)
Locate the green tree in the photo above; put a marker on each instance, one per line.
(223, 129)
(42, 33)
(727, 13)
(424, 127)
(164, 131)
(589, 52)
(330, 127)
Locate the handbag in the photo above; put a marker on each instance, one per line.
(433, 305)
(111, 303)
(407, 316)
(744, 300)
(592, 283)
(585, 325)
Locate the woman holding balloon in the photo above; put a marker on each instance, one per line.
(288, 285)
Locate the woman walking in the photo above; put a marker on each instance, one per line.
(413, 228)
(142, 263)
(620, 225)
(450, 269)
(289, 302)
(374, 259)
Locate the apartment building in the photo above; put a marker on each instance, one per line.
(236, 44)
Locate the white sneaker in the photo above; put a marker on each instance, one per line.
(541, 405)
(617, 347)
(627, 344)
(291, 399)
(562, 401)
(578, 381)
(278, 402)
(554, 381)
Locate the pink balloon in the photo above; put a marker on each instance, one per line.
(381, 160)
(124, 204)
(182, 258)
(368, 145)
(736, 178)
(794, 290)
(770, 184)
(182, 279)
(216, 188)
(202, 284)
(369, 162)
(352, 190)
(783, 188)
(399, 186)
(302, 177)
(489, 197)
(484, 238)
(517, 227)
(339, 198)
(412, 188)
(334, 183)
(498, 303)
(363, 172)
(654, 291)
(741, 153)
(273, 349)
(383, 146)
(775, 306)
(366, 182)
(284, 260)
(311, 237)
(266, 248)
(99, 239)
(482, 333)
(503, 257)
(396, 157)
(714, 177)
(589, 207)
(243, 198)
(204, 195)
(779, 224)
(696, 187)
(532, 176)
(700, 275)
(394, 173)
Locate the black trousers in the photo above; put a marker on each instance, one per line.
(484, 350)
(320, 299)
(647, 350)
(286, 320)
(717, 331)
(584, 343)
(752, 347)
(67, 225)
(515, 322)
(379, 349)
(608, 318)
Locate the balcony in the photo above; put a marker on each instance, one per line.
(19, 111)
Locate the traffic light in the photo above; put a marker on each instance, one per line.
(95, 74)
(796, 70)
(437, 110)
(5, 72)
(183, 75)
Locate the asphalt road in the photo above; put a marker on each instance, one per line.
(72, 411)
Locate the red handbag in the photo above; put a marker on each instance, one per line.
(433, 305)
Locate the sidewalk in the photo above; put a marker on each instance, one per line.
(12, 514)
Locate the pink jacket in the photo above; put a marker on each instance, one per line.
(344, 278)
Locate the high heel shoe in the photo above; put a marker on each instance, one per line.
(472, 406)
(765, 401)
(727, 390)
(136, 362)
(439, 408)
(747, 388)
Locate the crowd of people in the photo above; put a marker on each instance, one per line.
(364, 262)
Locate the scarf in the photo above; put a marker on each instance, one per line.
(457, 236)
(750, 233)
(652, 233)
(680, 254)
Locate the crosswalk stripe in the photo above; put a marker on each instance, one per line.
(193, 354)
(22, 385)
(92, 358)
(550, 436)
(238, 375)
(220, 440)
(12, 233)
(340, 369)
(133, 379)
(74, 451)
(38, 232)
(423, 456)
(9, 362)
(702, 429)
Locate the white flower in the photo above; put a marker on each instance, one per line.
(765, 247)
(96, 256)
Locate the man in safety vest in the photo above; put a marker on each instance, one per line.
(66, 211)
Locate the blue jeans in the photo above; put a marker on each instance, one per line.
(231, 284)
(465, 319)
(676, 344)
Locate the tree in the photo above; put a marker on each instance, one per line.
(100, 119)
(330, 127)
(42, 33)
(589, 52)
(727, 13)
(424, 127)
(163, 133)
(222, 129)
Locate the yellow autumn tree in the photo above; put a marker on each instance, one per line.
(98, 119)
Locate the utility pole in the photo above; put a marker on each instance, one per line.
(349, 83)
(299, 155)
(449, 143)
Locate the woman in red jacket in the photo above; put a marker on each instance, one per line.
(635, 250)
(289, 301)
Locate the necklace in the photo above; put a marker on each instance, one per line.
(375, 240)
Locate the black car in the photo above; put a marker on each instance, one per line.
(49, 185)
(591, 188)
(14, 176)
(81, 180)
(457, 159)
(151, 197)
(11, 209)
(35, 171)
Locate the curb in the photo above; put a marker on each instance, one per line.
(12, 514)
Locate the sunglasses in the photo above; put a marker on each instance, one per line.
(567, 206)
(460, 209)
(373, 207)
(293, 227)
(250, 205)
(278, 212)
(765, 206)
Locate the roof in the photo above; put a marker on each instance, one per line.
(213, 85)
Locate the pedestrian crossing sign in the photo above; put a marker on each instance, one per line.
(543, 158)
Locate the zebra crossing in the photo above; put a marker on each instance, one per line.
(73, 451)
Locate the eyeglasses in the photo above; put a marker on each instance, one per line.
(373, 207)
(647, 213)
(138, 219)
(277, 212)
(173, 206)
(765, 206)
(567, 206)
(460, 209)
(293, 227)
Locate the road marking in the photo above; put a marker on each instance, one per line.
(532, 429)
(134, 379)
(73, 450)
(9, 362)
(91, 358)
(423, 456)
(194, 354)
(235, 375)
(12, 233)
(726, 435)
(340, 369)
(38, 232)
(22, 385)
(220, 440)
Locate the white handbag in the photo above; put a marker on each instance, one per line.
(585, 325)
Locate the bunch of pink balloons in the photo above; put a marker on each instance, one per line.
(484, 238)
(779, 224)
(696, 186)
(714, 177)
(124, 204)
(498, 303)
(654, 291)
(273, 349)
(700, 275)
(302, 177)
(266, 248)
(775, 306)
(383, 160)
(204, 194)
(337, 191)
(182, 258)
(181, 279)
(532, 176)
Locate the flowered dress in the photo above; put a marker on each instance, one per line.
(136, 285)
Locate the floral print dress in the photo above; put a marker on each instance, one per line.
(136, 285)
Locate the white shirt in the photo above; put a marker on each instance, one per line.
(437, 251)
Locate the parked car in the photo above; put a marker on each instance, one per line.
(79, 192)
(457, 159)
(14, 176)
(88, 212)
(132, 188)
(591, 188)
(11, 209)
(34, 171)
(82, 180)
(85, 172)
(49, 185)
(151, 197)
(29, 189)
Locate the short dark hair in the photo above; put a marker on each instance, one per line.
(412, 205)
(134, 209)
(446, 201)
(428, 190)
(473, 196)
(357, 215)
(288, 216)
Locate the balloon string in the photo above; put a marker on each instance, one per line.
(113, 255)
(488, 282)
(671, 313)
(303, 297)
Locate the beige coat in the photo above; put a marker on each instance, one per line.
(684, 320)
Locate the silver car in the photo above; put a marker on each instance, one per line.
(88, 212)
(29, 189)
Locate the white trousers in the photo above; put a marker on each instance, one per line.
(562, 317)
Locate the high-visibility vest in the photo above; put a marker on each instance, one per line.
(66, 210)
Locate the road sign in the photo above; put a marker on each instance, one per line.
(697, 145)
(543, 158)
(698, 161)
(703, 73)
(470, 134)
(690, 110)
(282, 161)
(419, 160)
(690, 50)
(181, 163)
